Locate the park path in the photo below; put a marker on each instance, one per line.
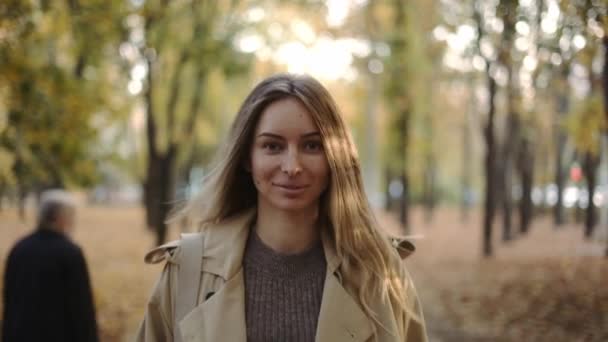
(445, 267)
(452, 278)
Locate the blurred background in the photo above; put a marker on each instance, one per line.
(481, 127)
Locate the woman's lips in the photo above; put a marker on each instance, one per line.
(291, 186)
(291, 189)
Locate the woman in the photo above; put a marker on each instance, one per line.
(289, 249)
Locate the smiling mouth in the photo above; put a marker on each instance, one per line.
(291, 187)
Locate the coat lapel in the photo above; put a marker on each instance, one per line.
(341, 318)
(225, 244)
(221, 317)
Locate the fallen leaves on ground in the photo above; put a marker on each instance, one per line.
(550, 285)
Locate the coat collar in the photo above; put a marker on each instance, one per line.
(340, 318)
(224, 244)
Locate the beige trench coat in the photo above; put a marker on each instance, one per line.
(221, 317)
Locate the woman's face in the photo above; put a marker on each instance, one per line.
(288, 163)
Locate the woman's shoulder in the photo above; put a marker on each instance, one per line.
(402, 249)
(161, 253)
(402, 245)
(171, 250)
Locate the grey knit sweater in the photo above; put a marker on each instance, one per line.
(282, 292)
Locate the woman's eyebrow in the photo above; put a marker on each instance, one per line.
(276, 136)
(311, 134)
(271, 135)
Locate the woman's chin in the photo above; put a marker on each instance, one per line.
(293, 204)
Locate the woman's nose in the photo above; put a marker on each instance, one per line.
(291, 163)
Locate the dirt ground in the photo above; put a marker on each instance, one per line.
(550, 285)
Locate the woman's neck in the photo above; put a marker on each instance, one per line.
(287, 232)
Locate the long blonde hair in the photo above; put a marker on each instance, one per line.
(369, 263)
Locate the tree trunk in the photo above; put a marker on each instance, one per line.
(429, 187)
(526, 168)
(21, 197)
(388, 175)
(560, 180)
(490, 163)
(160, 188)
(152, 191)
(152, 173)
(605, 92)
(404, 203)
(404, 108)
(605, 77)
(490, 153)
(166, 195)
(430, 170)
(590, 164)
(18, 169)
(506, 174)
(509, 145)
(506, 200)
(562, 104)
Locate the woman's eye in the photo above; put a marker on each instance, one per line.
(272, 147)
(314, 146)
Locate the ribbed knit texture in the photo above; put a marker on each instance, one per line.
(283, 292)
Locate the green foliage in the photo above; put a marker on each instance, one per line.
(409, 85)
(190, 40)
(586, 123)
(396, 90)
(55, 75)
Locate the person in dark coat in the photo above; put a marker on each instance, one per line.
(47, 293)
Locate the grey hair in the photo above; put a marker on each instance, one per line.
(52, 203)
